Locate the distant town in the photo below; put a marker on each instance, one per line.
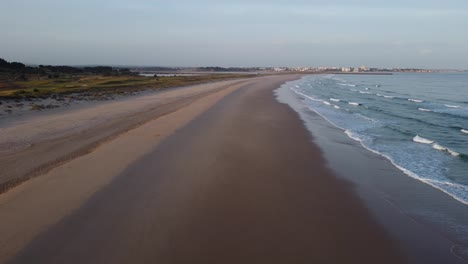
(338, 70)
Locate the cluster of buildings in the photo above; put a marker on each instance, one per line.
(361, 69)
(304, 69)
(321, 69)
(356, 69)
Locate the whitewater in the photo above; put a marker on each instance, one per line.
(417, 121)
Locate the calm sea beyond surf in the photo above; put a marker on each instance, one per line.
(418, 121)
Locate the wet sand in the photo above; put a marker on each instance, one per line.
(426, 223)
(240, 183)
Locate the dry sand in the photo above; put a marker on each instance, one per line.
(230, 177)
(42, 201)
(33, 145)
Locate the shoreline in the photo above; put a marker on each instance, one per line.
(399, 167)
(425, 211)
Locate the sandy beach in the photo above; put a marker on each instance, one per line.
(73, 132)
(216, 173)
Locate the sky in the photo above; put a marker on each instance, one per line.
(375, 33)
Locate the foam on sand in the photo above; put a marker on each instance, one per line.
(305, 95)
(428, 145)
(446, 187)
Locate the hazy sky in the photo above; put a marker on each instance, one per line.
(390, 33)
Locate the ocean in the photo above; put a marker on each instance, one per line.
(417, 121)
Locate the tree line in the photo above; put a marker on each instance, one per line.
(18, 67)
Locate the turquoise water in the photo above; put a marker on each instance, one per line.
(418, 121)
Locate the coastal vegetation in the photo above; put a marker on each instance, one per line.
(20, 81)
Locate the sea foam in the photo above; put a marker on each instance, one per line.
(422, 140)
(442, 148)
(452, 106)
(433, 148)
(424, 110)
(436, 146)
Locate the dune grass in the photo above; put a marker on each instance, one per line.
(103, 84)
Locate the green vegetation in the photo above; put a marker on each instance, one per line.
(18, 70)
(100, 84)
(20, 81)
